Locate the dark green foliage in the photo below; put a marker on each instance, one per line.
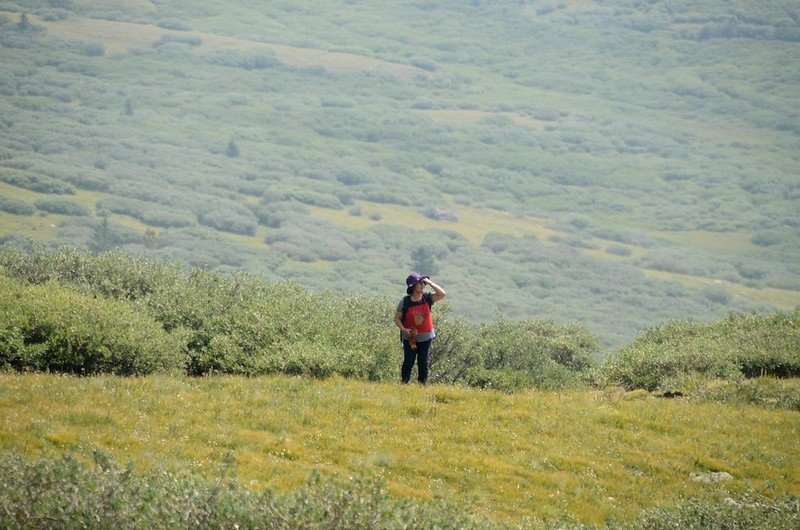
(241, 324)
(742, 345)
(62, 207)
(232, 151)
(51, 328)
(40, 183)
(751, 511)
(236, 219)
(15, 206)
(24, 23)
(423, 258)
(66, 493)
(510, 355)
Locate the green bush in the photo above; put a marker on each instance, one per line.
(743, 345)
(39, 183)
(241, 324)
(15, 206)
(62, 207)
(51, 328)
(511, 355)
(749, 511)
(148, 212)
(766, 392)
(236, 220)
(249, 60)
(66, 493)
(237, 324)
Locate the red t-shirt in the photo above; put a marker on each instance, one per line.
(419, 317)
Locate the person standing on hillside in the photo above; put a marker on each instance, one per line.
(415, 320)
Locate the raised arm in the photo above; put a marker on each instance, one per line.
(438, 292)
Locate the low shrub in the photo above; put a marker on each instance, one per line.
(15, 206)
(62, 207)
(754, 512)
(511, 355)
(241, 324)
(765, 392)
(66, 493)
(234, 220)
(39, 183)
(249, 60)
(150, 213)
(51, 328)
(742, 345)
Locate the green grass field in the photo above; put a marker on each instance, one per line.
(582, 456)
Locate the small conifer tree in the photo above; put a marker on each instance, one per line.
(24, 23)
(232, 151)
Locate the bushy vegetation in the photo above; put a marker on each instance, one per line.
(62, 207)
(241, 324)
(15, 206)
(742, 345)
(237, 325)
(148, 316)
(511, 355)
(752, 512)
(51, 328)
(765, 392)
(67, 493)
(599, 125)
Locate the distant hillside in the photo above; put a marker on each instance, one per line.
(607, 163)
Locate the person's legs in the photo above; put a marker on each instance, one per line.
(409, 356)
(423, 350)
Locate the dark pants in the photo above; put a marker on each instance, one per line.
(420, 355)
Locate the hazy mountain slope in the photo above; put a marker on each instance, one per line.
(644, 155)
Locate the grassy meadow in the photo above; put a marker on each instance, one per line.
(534, 457)
(141, 393)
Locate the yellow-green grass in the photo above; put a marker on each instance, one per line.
(461, 116)
(34, 226)
(473, 223)
(45, 226)
(586, 455)
(732, 243)
(125, 37)
(781, 299)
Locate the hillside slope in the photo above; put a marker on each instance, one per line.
(606, 163)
